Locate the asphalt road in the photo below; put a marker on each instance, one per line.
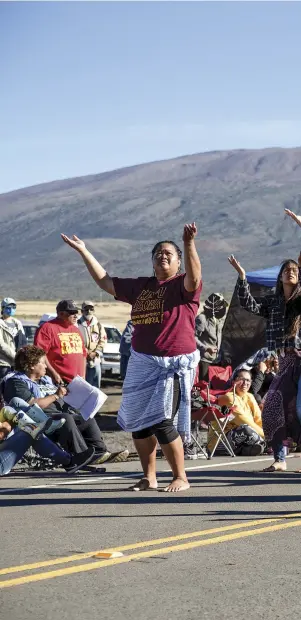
(228, 548)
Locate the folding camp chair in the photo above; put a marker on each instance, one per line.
(206, 411)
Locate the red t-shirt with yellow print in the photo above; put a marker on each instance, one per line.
(163, 314)
(64, 347)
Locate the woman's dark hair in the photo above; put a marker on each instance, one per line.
(176, 247)
(27, 357)
(294, 321)
(279, 284)
(237, 373)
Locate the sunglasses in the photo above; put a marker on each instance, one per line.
(89, 308)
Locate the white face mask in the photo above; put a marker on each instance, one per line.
(88, 315)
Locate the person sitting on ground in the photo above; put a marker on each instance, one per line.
(244, 428)
(12, 336)
(29, 383)
(21, 419)
(208, 332)
(125, 348)
(95, 338)
(162, 365)
(263, 366)
(16, 440)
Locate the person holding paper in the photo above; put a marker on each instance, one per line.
(164, 356)
(29, 385)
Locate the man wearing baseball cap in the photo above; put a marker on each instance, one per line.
(63, 344)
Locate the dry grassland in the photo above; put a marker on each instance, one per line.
(113, 313)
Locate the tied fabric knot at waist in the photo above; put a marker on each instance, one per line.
(148, 391)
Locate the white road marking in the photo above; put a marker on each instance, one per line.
(267, 458)
(132, 475)
(69, 482)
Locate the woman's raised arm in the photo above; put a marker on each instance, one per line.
(296, 218)
(192, 262)
(243, 290)
(98, 273)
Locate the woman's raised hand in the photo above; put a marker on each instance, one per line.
(296, 218)
(75, 242)
(237, 266)
(189, 232)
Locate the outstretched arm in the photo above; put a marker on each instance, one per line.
(243, 290)
(98, 273)
(297, 219)
(192, 262)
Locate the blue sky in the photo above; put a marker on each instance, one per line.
(88, 87)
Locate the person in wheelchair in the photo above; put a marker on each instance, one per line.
(244, 427)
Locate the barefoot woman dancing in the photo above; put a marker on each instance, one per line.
(162, 365)
(283, 333)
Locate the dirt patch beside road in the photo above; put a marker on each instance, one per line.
(116, 313)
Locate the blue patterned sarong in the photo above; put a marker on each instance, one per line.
(148, 391)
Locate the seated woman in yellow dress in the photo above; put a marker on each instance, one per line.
(244, 427)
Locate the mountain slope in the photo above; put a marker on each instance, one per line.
(236, 197)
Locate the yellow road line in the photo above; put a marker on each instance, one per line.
(71, 570)
(141, 545)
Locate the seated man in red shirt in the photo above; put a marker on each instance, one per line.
(65, 358)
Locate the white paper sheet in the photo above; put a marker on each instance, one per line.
(84, 397)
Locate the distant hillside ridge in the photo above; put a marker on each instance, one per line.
(236, 197)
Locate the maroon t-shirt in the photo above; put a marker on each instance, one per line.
(163, 314)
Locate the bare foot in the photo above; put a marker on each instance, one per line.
(277, 466)
(178, 484)
(144, 485)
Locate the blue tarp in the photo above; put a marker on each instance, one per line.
(264, 277)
